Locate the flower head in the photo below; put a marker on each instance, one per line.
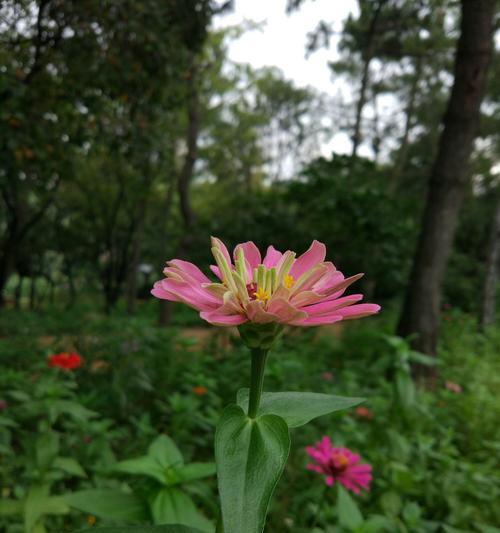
(3, 405)
(65, 361)
(327, 376)
(199, 390)
(279, 288)
(339, 465)
(453, 387)
(363, 412)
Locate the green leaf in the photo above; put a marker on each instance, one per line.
(172, 506)
(109, 504)
(350, 516)
(391, 503)
(7, 422)
(406, 391)
(145, 465)
(47, 448)
(194, 471)
(377, 523)
(171, 528)
(74, 409)
(298, 408)
(250, 456)
(10, 507)
(165, 452)
(38, 503)
(70, 466)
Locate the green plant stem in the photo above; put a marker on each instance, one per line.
(259, 356)
(219, 528)
(321, 502)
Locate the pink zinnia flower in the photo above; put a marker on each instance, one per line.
(302, 291)
(339, 465)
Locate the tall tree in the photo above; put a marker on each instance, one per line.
(449, 177)
(492, 270)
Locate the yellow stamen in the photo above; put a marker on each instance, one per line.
(288, 281)
(261, 295)
(341, 459)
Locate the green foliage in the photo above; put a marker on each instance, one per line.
(110, 504)
(145, 529)
(298, 408)
(250, 456)
(438, 454)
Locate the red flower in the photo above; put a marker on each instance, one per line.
(363, 412)
(65, 361)
(199, 390)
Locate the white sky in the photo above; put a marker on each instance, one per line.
(282, 43)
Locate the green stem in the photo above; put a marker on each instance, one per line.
(219, 528)
(259, 356)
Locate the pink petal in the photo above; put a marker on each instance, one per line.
(272, 257)
(218, 319)
(256, 313)
(196, 297)
(161, 293)
(358, 311)
(217, 243)
(306, 298)
(328, 306)
(285, 311)
(216, 270)
(337, 289)
(314, 468)
(329, 481)
(252, 253)
(348, 484)
(309, 279)
(318, 320)
(191, 269)
(314, 255)
(360, 469)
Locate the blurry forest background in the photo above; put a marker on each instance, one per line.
(128, 137)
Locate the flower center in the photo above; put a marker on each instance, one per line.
(288, 281)
(338, 463)
(261, 295)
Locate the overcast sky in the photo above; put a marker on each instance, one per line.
(282, 43)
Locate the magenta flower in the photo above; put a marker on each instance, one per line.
(339, 465)
(280, 288)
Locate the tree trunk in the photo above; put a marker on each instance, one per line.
(165, 313)
(449, 178)
(7, 259)
(186, 174)
(19, 292)
(492, 268)
(368, 54)
(33, 292)
(131, 293)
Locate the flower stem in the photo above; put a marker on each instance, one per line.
(219, 528)
(259, 356)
